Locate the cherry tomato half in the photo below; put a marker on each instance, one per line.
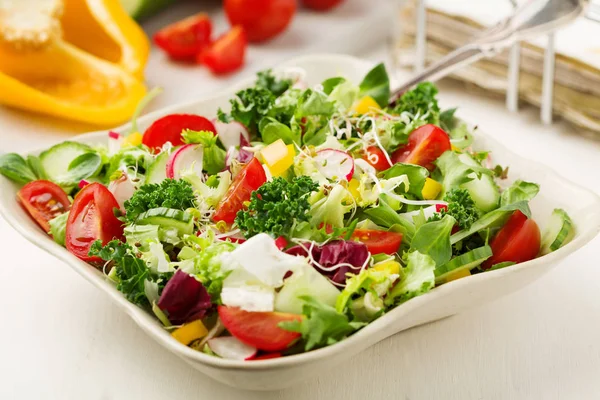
(518, 241)
(227, 53)
(169, 128)
(378, 241)
(376, 157)
(321, 5)
(92, 218)
(261, 19)
(250, 178)
(425, 145)
(43, 200)
(183, 40)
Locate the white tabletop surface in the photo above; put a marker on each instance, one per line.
(63, 339)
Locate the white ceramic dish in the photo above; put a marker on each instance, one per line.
(449, 299)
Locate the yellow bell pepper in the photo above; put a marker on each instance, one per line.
(41, 72)
(391, 267)
(353, 186)
(132, 140)
(103, 28)
(456, 149)
(189, 332)
(431, 189)
(278, 157)
(366, 105)
(457, 275)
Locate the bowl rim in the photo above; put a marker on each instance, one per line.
(145, 321)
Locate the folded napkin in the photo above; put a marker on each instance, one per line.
(577, 80)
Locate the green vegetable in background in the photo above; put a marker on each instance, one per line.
(170, 193)
(377, 85)
(277, 206)
(267, 80)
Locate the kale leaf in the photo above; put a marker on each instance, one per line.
(267, 80)
(170, 193)
(420, 101)
(460, 206)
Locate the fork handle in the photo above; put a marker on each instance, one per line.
(446, 65)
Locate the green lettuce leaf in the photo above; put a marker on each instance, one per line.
(377, 85)
(433, 239)
(519, 191)
(415, 173)
(419, 278)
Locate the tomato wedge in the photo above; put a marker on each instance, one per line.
(259, 329)
(378, 241)
(227, 53)
(376, 157)
(169, 128)
(43, 200)
(518, 241)
(425, 145)
(92, 218)
(261, 19)
(185, 39)
(250, 178)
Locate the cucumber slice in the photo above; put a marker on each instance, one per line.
(56, 160)
(140, 9)
(560, 231)
(157, 171)
(483, 190)
(305, 282)
(168, 218)
(468, 261)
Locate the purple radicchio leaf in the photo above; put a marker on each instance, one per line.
(184, 299)
(352, 254)
(244, 156)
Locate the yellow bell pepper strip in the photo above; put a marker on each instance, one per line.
(103, 28)
(391, 267)
(353, 186)
(366, 105)
(64, 81)
(132, 140)
(462, 273)
(431, 189)
(455, 149)
(189, 332)
(278, 157)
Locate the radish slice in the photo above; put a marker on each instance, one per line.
(230, 348)
(231, 155)
(185, 158)
(115, 140)
(122, 189)
(230, 133)
(334, 164)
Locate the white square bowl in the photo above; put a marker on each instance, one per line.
(452, 298)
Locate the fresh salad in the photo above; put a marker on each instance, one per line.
(290, 220)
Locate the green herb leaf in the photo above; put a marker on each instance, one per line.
(170, 193)
(15, 168)
(519, 191)
(266, 80)
(377, 85)
(433, 239)
(415, 173)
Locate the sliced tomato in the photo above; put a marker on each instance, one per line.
(259, 329)
(425, 145)
(169, 128)
(227, 53)
(376, 157)
(261, 19)
(267, 356)
(183, 40)
(378, 241)
(518, 241)
(92, 218)
(43, 200)
(250, 178)
(321, 5)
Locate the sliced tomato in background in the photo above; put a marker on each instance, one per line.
(425, 145)
(376, 157)
(227, 53)
(250, 178)
(321, 5)
(92, 218)
(518, 241)
(261, 19)
(184, 39)
(169, 128)
(43, 200)
(259, 329)
(378, 241)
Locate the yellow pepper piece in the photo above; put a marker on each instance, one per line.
(353, 186)
(278, 157)
(189, 332)
(462, 273)
(392, 267)
(431, 189)
(366, 105)
(103, 28)
(456, 149)
(132, 140)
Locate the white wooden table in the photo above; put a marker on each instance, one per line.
(62, 339)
